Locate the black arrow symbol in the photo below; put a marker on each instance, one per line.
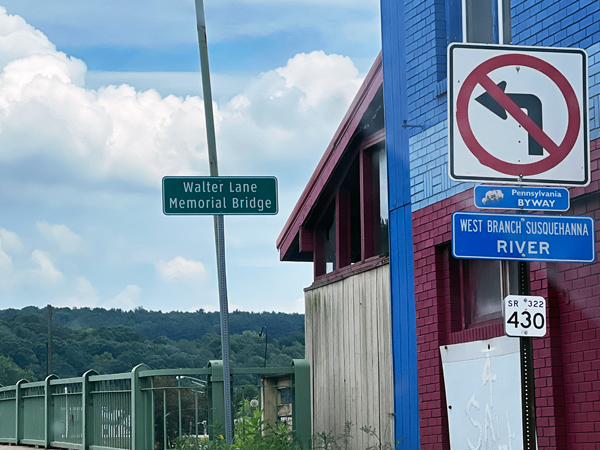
(530, 102)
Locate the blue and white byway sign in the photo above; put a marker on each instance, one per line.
(521, 197)
(523, 237)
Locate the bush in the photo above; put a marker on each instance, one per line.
(251, 433)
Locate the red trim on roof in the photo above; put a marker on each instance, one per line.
(330, 158)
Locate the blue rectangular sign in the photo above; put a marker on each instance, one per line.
(522, 197)
(523, 237)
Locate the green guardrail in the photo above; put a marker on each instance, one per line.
(131, 411)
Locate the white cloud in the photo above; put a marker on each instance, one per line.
(5, 263)
(180, 269)
(288, 114)
(83, 294)
(10, 241)
(125, 300)
(117, 132)
(45, 272)
(112, 132)
(18, 39)
(293, 306)
(99, 152)
(67, 240)
(322, 78)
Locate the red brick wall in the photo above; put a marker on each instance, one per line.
(567, 360)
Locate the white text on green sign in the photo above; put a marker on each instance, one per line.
(219, 195)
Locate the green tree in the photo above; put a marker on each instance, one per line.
(113, 341)
(10, 373)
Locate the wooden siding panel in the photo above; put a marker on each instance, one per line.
(337, 362)
(348, 338)
(346, 333)
(308, 340)
(371, 337)
(385, 358)
(331, 354)
(354, 389)
(362, 374)
(374, 333)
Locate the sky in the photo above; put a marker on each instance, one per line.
(100, 100)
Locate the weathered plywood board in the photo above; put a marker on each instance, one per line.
(348, 344)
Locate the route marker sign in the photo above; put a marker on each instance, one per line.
(518, 113)
(524, 316)
(522, 198)
(521, 237)
(219, 195)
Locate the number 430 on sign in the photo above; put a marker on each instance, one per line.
(525, 316)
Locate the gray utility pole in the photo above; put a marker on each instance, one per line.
(218, 220)
(49, 343)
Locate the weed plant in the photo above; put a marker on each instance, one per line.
(254, 433)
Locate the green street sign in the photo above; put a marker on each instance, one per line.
(219, 195)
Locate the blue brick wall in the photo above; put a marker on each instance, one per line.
(414, 51)
(426, 60)
(559, 23)
(594, 89)
(429, 180)
(556, 23)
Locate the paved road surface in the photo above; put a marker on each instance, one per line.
(13, 447)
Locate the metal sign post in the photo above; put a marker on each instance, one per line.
(218, 219)
(527, 373)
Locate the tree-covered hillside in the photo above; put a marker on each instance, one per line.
(115, 341)
(175, 325)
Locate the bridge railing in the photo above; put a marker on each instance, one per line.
(123, 411)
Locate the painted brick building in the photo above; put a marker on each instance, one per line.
(428, 302)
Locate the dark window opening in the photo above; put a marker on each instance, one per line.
(487, 21)
(485, 283)
(349, 220)
(329, 243)
(475, 288)
(379, 201)
(447, 30)
(354, 224)
(355, 227)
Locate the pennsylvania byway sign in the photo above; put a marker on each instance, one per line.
(518, 113)
(522, 198)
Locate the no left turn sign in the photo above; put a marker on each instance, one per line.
(518, 113)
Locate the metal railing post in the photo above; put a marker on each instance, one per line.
(87, 410)
(179, 404)
(151, 419)
(164, 419)
(48, 409)
(142, 429)
(216, 400)
(18, 413)
(301, 398)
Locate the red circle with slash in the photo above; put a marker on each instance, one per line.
(480, 76)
